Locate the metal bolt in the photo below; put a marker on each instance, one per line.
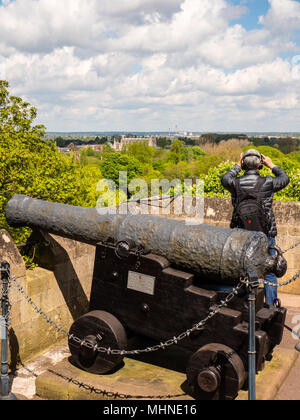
(145, 308)
(209, 379)
(115, 275)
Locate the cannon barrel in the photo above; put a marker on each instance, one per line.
(219, 255)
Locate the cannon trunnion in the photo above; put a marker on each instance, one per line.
(144, 294)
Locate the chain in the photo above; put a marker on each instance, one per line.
(114, 395)
(150, 201)
(175, 340)
(163, 345)
(4, 298)
(37, 309)
(285, 283)
(292, 247)
(140, 250)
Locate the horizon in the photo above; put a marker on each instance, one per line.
(172, 133)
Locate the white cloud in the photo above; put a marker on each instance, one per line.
(147, 64)
(283, 16)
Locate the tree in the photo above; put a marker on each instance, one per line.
(163, 142)
(140, 150)
(179, 171)
(214, 188)
(198, 153)
(287, 145)
(206, 163)
(29, 165)
(116, 137)
(101, 140)
(114, 163)
(177, 153)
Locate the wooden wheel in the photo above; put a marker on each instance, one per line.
(216, 372)
(104, 330)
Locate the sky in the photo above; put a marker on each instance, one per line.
(153, 65)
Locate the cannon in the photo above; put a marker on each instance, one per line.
(158, 277)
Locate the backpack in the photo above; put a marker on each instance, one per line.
(249, 210)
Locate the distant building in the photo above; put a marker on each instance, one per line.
(64, 150)
(72, 147)
(125, 141)
(97, 147)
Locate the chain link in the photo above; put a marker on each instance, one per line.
(37, 309)
(292, 247)
(285, 283)
(140, 250)
(162, 346)
(4, 298)
(114, 395)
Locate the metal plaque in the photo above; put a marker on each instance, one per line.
(141, 283)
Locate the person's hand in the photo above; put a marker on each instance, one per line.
(268, 162)
(241, 160)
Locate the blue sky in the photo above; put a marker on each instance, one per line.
(201, 65)
(255, 8)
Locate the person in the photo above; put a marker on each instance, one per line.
(263, 189)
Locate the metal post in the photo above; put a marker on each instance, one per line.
(5, 394)
(253, 281)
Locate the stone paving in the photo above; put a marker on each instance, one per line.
(290, 389)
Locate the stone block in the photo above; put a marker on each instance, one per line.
(36, 282)
(10, 253)
(293, 288)
(294, 229)
(55, 250)
(27, 313)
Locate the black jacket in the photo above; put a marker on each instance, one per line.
(248, 181)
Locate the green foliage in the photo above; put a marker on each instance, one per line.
(177, 153)
(206, 163)
(163, 142)
(107, 150)
(160, 166)
(31, 166)
(180, 171)
(141, 151)
(213, 187)
(109, 195)
(212, 181)
(295, 156)
(197, 153)
(292, 191)
(114, 163)
(288, 162)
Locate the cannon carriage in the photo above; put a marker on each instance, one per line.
(158, 277)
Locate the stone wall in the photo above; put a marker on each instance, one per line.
(218, 211)
(61, 285)
(61, 288)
